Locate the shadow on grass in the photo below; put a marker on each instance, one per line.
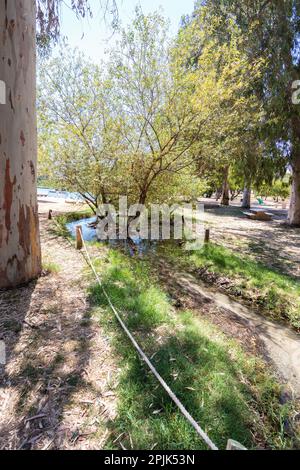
(225, 211)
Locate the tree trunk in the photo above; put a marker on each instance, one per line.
(294, 210)
(20, 257)
(218, 193)
(225, 188)
(246, 203)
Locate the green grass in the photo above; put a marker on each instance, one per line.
(51, 267)
(276, 294)
(230, 393)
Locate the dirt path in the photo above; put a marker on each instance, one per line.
(277, 343)
(57, 390)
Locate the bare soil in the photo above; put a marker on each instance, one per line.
(58, 386)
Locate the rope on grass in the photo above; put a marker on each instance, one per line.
(171, 394)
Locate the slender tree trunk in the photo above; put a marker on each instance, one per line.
(246, 203)
(234, 194)
(20, 257)
(294, 210)
(225, 188)
(218, 193)
(292, 110)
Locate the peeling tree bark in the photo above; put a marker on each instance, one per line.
(225, 188)
(246, 203)
(20, 256)
(294, 209)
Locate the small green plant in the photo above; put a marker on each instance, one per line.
(59, 225)
(51, 267)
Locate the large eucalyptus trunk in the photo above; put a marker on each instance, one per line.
(294, 210)
(20, 258)
(225, 188)
(246, 202)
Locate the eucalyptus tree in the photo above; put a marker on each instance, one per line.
(271, 30)
(20, 255)
(237, 112)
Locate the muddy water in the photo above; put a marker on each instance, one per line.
(135, 245)
(89, 233)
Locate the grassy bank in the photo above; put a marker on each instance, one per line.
(277, 295)
(59, 227)
(228, 392)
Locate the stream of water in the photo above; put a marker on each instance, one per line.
(134, 246)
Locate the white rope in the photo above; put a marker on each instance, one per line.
(172, 395)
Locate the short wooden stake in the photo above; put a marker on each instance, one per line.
(78, 237)
(206, 238)
(50, 214)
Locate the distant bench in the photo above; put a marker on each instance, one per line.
(259, 215)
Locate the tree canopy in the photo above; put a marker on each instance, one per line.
(155, 121)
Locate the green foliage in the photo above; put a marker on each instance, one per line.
(51, 267)
(270, 31)
(121, 131)
(279, 189)
(76, 131)
(145, 125)
(161, 113)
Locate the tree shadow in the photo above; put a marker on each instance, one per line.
(48, 351)
(274, 243)
(225, 211)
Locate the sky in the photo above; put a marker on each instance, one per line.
(94, 36)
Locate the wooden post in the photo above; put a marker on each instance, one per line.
(50, 214)
(78, 237)
(234, 445)
(206, 237)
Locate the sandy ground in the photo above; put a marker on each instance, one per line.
(58, 386)
(273, 243)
